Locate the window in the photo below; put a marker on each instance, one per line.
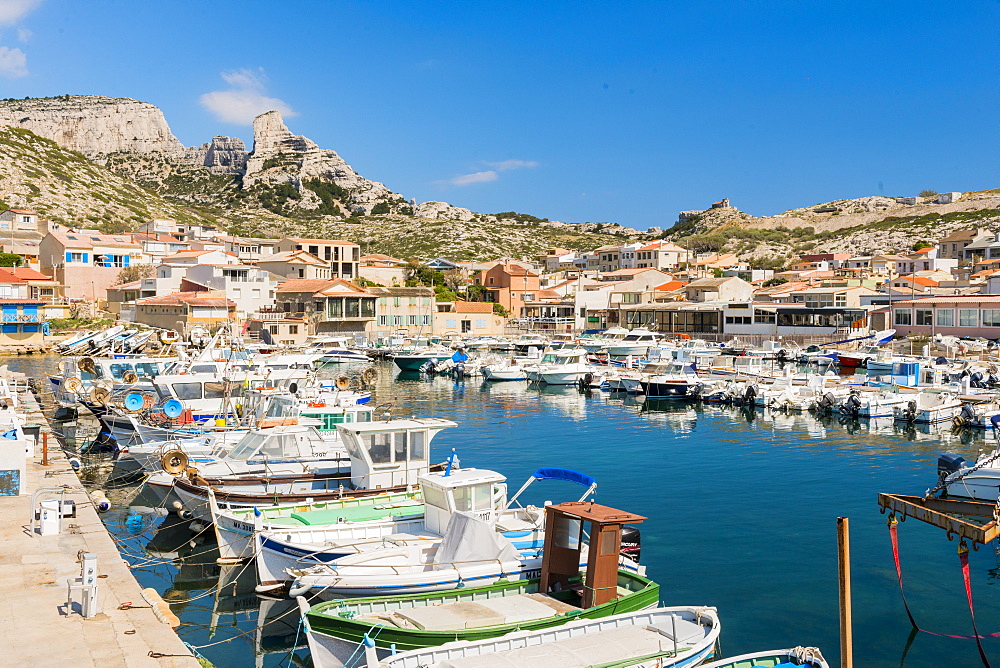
(764, 318)
(840, 300)
(327, 253)
(467, 325)
(945, 317)
(293, 329)
(425, 320)
(991, 317)
(75, 257)
(925, 317)
(630, 298)
(273, 329)
(397, 320)
(480, 323)
(335, 308)
(187, 391)
(411, 320)
(903, 317)
(353, 307)
(382, 321)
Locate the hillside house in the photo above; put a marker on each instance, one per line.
(510, 285)
(287, 265)
(953, 245)
(732, 289)
(247, 249)
(383, 269)
(87, 262)
(183, 311)
(336, 306)
(468, 319)
(405, 311)
(609, 258)
(662, 255)
(343, 256)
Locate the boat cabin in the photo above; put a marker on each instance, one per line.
(277, 444)
(478, 492)
(566, 356)
(390, 452)
(328, 412)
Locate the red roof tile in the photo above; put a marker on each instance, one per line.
(473, 307)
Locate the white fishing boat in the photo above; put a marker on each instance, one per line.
(501, 371)
(654, 638)
(668, 380)
(471, 535)
(872, 402)
(795, 657)
(978, 481)
(978, 414)
(599, 343)
(928, 407)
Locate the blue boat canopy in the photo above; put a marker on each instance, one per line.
(564, 474)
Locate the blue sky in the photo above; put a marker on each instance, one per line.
(625, 112)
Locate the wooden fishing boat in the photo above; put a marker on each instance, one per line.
(796, 657)
(660, 638)
(561, 594)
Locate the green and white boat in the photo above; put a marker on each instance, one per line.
(337, 629)
(796, 657)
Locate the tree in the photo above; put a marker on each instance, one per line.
(454, 279)
(777, 280)
(135, 272)
(500, 310)
(917, 245)
(928, 193)
(11, 260)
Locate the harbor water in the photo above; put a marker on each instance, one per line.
(741, 506)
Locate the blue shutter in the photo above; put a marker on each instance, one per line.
(86, 258)
(69, 256)
(125, 260)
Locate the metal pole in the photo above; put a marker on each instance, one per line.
(45, 448)
(844, 562)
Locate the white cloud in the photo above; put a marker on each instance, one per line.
(489, 175)
(12, 11)
(508, 165)
(245, 100)
(23, 34)
(475, 177)
(13, 63)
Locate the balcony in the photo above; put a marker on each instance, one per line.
(22, 317)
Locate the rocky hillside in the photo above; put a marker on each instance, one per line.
(114, 164)
(863, 226)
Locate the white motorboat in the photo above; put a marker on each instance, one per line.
(668, 380)
(871, 402)
(978, 481)
(637, 343)
(563, 367)
(504, 371)
(600, 342)
(928, 407)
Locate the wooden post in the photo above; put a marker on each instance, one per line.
(844, 559)
(45, 448)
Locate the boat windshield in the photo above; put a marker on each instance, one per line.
(549, 359)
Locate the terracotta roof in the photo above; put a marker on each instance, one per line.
(670, 286)
(473, 307)
(28, 274)
(9, 278)
(709, 282)
(194, 253)
(339, 242)
(211, 298)
(20, 211)
(378, 257)
(299, 256)
(126, 286)
(663, 245)
(920, 280)
(156, 236)
(516, 270)
(304, 285)
(547, 294)
(88, 238)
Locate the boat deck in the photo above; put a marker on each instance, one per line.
(475, 614)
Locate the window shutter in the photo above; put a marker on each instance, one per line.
(125, 260)
(69, 256)
(86, 258)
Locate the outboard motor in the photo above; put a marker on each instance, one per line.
(910, 412)
(459, 370)
(750, 395)
(968, 413)
(852, 406)
(941, 360)
(947, 464)
(781, 355)
(976, 380)
(631, 543)
(695, 390)
(826, 403)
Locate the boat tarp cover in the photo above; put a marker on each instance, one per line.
(564, 474)
(469, 538)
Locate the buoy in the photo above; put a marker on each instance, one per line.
(173, 408)
(75, 463)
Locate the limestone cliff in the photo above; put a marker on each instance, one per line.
(94, 125)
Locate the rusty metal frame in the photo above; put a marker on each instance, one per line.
(939, 512)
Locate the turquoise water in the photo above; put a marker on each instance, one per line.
(742, 512)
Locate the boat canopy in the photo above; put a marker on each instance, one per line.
(564, 474)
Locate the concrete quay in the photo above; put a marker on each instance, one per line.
(36, 629)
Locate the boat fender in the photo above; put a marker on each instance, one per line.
(160, 608)
(101, 502)
(297, 590)
(75, 463)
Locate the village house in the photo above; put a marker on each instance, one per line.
(183, 311)
(21, 232)
(953, 246)
(968, 315)
(87, 262)
(554, 259)
(383, 269)
(182, 231)
(824, 296)
(336, 306)
(468, 319)
(247, 249)
(731, 289)
(986, 247)
(403, 311)
(157, 246)
(628, 255)
(662, 255)
(609, 258)
(510, 285)
(343, 256)
(287, 265)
